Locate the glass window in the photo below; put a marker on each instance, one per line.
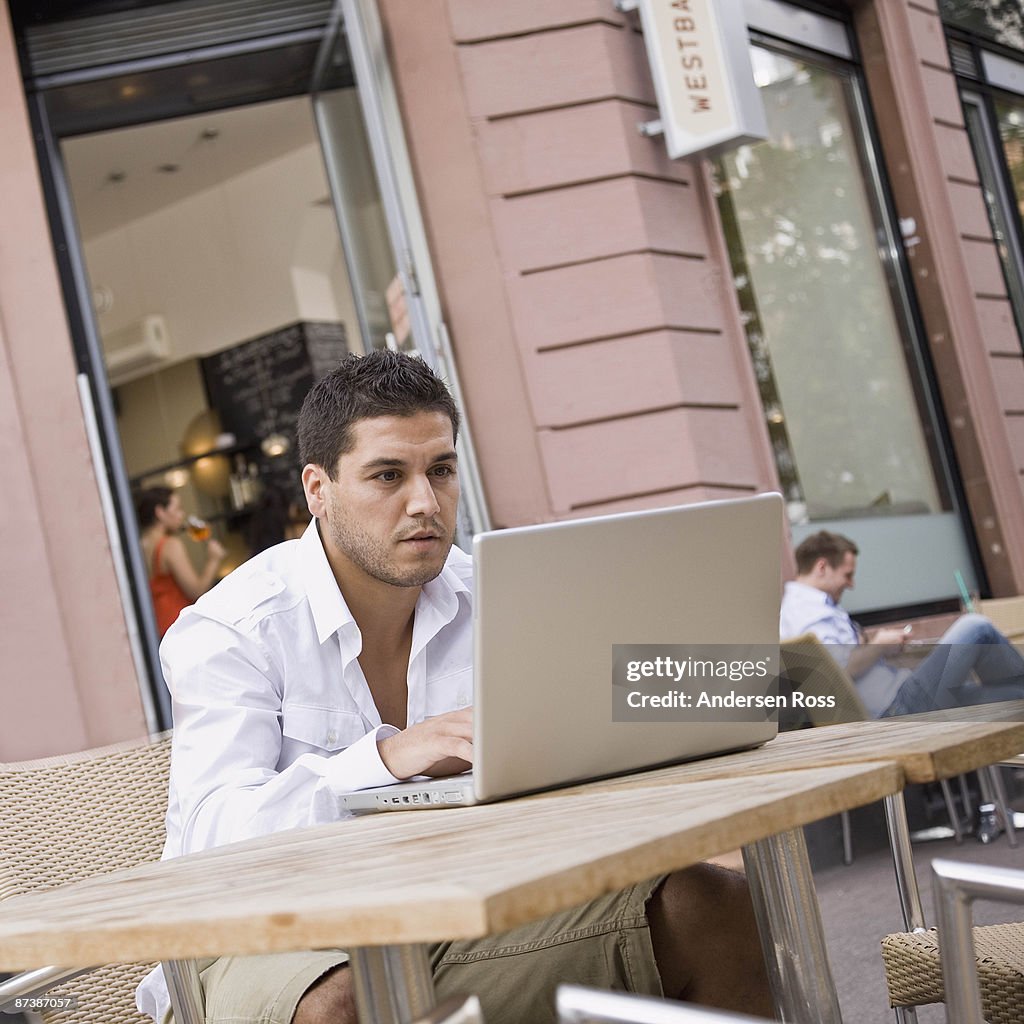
(1002, 21)
(1002, 192)
(848, 416)
(1010, 117)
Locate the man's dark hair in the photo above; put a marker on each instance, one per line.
(833, 547)
(148, 502)
(381, 383)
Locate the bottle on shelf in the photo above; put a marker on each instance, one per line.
(237, 484)
(254, 486)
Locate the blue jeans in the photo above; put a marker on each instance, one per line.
(943, 679)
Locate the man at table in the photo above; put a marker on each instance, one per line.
(343, 660)
(825, 564)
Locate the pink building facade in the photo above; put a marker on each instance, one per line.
(614, 315)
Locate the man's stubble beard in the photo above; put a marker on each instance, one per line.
(372, 556)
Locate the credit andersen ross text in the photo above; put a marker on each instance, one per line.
(714, 682)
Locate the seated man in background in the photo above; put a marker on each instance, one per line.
(343, 660)
(826, 564)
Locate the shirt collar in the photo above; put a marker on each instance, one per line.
(330, 613)
(437, 605)
(812, 595)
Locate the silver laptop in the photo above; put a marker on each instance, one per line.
(552, 600)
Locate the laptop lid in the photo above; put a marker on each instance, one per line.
(550, 601)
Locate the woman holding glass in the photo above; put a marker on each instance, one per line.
(173, 581)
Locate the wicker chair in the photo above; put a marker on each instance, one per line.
(993, 955)
(1007, 614)
(911, 957)
(914, 974)
(66, 818)
(965, 965)
(808, 666)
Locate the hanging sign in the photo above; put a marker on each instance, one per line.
(700, 61)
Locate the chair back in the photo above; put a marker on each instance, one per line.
(70, 817)
(811, 670)
(1007, 614)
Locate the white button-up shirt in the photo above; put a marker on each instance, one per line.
(806, 609)
(273, 717)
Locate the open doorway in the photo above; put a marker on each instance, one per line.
(233, 210)
(221, 292)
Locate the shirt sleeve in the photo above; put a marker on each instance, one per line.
(225, 781)
(799, 615)
(832, 632)
(828, 632)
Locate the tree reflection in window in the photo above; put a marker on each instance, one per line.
(1002, 21)
(825, 341)
(1011, 131)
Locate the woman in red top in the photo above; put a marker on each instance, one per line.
(173, 581)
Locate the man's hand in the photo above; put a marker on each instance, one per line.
(889, 638)
(882, 642)
(439, 746)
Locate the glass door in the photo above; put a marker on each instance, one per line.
(378, 217)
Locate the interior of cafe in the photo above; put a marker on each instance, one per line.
(221, 291)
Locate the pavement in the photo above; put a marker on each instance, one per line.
(859, 905)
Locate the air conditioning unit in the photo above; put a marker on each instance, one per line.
(140, 346)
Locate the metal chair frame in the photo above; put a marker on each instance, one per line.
(910, 899)
(821, 674)
(578, 1005)
(956, 886)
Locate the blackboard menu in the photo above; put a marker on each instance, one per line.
(326, 344)
(257, 388)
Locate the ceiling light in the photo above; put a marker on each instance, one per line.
(275, 444)
(177, 477)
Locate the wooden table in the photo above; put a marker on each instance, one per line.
(416, 877)
(928, 748)
(403, 879)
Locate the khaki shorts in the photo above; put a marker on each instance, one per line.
(605, 944)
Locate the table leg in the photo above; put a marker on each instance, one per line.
(393, 984)
(789, 922)
(903, 863)
(185, 990)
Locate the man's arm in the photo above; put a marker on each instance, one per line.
(883, 642)
(227, 780)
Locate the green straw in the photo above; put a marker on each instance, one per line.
(965, 597)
